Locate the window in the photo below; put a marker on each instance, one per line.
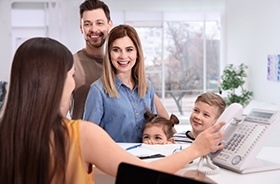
(182, 57)
(152, 42)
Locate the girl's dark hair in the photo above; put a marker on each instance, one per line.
(154, 119)
(33, 138)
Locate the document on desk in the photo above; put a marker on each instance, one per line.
(148, 151)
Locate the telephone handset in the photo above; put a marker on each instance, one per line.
(232, 115)
(243, 139)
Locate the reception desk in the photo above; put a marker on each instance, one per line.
(270, 154)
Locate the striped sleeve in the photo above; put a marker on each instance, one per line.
(181, 138)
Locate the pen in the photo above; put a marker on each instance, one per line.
(134, 146)
(151, 156)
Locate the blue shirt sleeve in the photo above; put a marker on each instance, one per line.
(93, 111)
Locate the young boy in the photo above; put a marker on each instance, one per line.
(158, 130)
(207, 109)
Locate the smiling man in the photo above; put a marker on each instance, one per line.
(95, 24)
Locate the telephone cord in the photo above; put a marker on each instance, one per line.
(214, 169)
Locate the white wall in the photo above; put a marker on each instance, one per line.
(63, 25)
(164, 5)
(5, 37)
(253, 33)
(71, 35)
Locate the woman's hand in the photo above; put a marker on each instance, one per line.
(209, 140)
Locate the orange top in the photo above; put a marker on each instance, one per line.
(75, 172)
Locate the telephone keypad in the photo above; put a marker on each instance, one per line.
(241, 142)
(243, 139)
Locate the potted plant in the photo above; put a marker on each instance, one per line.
(233, 79)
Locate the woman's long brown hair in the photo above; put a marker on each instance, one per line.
(138, 70)
(32, 136)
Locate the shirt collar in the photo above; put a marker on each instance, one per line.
(119, 83)
(188, 135)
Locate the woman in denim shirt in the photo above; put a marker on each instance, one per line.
(118, 100)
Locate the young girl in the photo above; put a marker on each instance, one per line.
(158, 130)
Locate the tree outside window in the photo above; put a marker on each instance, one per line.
(182, 58)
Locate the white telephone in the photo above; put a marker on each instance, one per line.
(244, 138)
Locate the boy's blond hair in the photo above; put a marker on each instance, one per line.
(212, 99)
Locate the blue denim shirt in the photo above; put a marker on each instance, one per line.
(123, 117)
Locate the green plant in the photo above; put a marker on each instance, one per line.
(233, 79)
